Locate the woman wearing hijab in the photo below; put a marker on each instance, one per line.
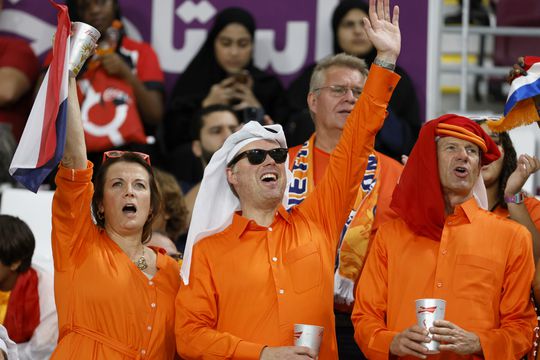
(223, 73)
(402, 125)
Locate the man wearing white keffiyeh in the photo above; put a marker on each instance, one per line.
(251, 269)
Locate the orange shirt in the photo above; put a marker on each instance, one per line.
(107, 308)
(482, 266)
(533, 207)
(250, 284)
(4, 300)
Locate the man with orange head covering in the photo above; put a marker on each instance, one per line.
(445, 245)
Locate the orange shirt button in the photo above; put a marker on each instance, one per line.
(149, 328)
(281, 291)
(269, 229)
(444, 252)
(439, 284)
(153, 305)
(143, 352)
(151, 283)
(274, 259)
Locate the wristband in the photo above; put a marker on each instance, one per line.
(515, 199)
(384, 64)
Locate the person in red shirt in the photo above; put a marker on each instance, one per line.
(250, 275)
(19, 69)
(445, 244)
(120, 88)
(26, 293)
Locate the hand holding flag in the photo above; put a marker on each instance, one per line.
(42, 144)
(520, 108)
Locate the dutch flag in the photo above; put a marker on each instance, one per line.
(524, 87)
(42, 143)
(520, 108)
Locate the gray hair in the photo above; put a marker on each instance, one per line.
(340, 60)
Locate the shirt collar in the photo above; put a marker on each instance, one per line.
(466, 210)
(240, 223)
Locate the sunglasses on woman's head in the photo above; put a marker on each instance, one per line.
(117, 153)
(257, 156)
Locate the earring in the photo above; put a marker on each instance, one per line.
(100, 215)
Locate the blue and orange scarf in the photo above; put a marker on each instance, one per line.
(356, 233)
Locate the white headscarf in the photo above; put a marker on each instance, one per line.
(215, 204)
(7, 345)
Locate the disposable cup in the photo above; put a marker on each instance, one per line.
(82, 43)
(308, 335)
(427, 311)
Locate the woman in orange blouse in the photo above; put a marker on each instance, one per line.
(114, 295)
(504, 178)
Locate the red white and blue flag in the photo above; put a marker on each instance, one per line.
(524, 87)
(520, 108)
(42, 143)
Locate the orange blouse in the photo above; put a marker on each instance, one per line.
(482, 266)
(107, 308)
(250, 284)
(533, 207)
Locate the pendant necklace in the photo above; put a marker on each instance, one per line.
(141, 262)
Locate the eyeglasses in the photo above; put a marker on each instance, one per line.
(257, 156)
(113, 154)
(340, 90)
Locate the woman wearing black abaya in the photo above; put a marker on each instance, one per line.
(403, 123)
(223, 73)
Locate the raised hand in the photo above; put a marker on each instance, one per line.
(526, 165)
(517, 70)
(383, 31)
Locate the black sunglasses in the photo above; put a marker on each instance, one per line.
(257, 156)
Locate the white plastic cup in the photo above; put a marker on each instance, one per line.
(308, 335)
(82, 44)
(427, 311)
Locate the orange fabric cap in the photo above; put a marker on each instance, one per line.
(418, 197)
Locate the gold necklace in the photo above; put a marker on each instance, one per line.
(141, 262)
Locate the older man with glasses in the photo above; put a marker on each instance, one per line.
(252, 269)
(335, 86)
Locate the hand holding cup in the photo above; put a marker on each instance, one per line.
(82, 44)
